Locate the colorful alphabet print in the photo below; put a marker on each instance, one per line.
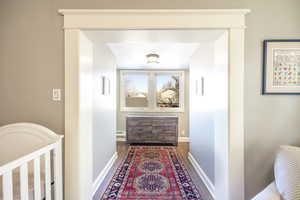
(286, 67)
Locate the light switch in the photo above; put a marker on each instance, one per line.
(56, 94)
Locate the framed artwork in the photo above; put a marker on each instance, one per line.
(281, 67)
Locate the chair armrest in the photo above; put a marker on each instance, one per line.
(269, 193)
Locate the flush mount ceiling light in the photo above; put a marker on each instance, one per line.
(152, 58)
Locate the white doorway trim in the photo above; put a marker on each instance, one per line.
(77, 144)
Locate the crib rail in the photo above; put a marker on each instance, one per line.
(22, 163)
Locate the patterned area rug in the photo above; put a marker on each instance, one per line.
(152, 173)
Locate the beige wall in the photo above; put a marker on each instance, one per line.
(31, 64)
(183, 125)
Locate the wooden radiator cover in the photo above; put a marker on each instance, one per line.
(152, 129)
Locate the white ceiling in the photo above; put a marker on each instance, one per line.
(175, 47)
(172, 55)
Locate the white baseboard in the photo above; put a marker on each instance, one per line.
(209, 185)
(104, 172)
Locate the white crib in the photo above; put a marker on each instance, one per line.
(30, 163)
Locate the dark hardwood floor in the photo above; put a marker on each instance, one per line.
(182, 149)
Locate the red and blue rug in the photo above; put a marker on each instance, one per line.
(151, 173)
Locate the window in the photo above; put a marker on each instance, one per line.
(167, 91)
(152, 91)
(136, 90)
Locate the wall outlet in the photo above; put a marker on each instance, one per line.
(56, 94)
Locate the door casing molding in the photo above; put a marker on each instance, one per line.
(233, 20)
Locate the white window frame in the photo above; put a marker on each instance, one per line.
(152, 104)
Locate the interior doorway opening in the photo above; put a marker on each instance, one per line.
(119, 81)
(79, 138)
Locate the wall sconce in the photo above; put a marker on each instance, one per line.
(200, 87)
(105, 85)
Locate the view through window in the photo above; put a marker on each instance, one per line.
(167, 91)
(136, 90)
(151, 90)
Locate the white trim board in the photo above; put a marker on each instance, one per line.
(154, 11)
(104, 172)
(160, 18)
(209, 185)
(231, 170)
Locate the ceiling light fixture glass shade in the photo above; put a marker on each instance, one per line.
(152, 58)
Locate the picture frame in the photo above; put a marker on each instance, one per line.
(281, 67)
